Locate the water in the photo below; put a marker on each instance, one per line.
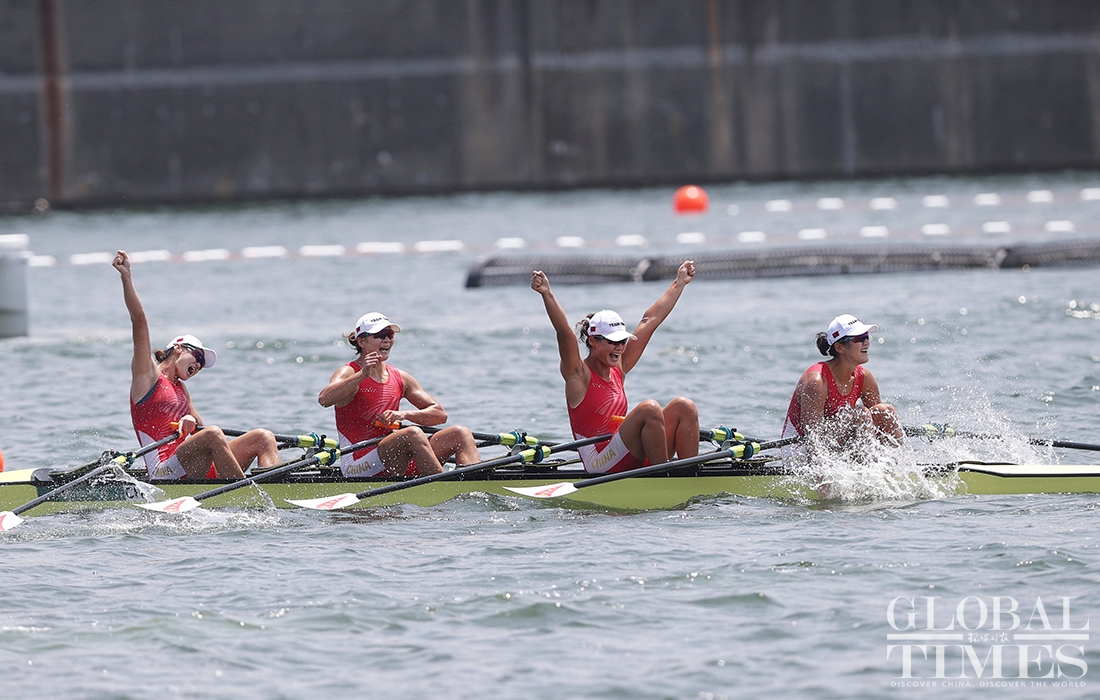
(486, 596)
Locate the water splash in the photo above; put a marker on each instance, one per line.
(866, 470)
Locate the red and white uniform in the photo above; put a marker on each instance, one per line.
(602, 411)
(355, 421)
(835, 402)
(153, 416)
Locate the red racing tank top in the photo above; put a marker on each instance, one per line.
(153, 416)
(834, 400)
(602, 409)
(355, 421)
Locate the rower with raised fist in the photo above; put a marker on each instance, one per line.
(594, 394)
(159, 403)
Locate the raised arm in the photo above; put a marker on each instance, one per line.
(573, 368)
(656, 314)
(143, 368)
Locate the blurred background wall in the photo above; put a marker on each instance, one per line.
(129, 101)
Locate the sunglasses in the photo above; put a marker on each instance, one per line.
(199, 355)
(382, 334)
(857, 338)
(612, 342)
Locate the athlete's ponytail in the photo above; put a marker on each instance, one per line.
(823, 345)
(582, 330)
(162, 355)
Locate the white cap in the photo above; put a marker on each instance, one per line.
(372, 322)
(188, 339)
(845, 325)
(609, 325)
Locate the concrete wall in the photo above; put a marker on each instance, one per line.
(208, 99)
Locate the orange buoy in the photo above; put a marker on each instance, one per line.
(690, 199)
(1, 461)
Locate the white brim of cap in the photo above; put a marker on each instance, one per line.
(861, 328)
(620, 335)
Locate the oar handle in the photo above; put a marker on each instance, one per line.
(533, 455)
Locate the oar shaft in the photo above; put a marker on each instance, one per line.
(480, 466)
(129, 456)
(61, 489)
(934, 431)
(730, 453)
(506, 439)
(1069, 445)
(304, 440)
(323, 455)
(233, 486)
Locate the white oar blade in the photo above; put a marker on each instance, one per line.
(328, 503)
(176, 505)
(9, 521)
(563, 488)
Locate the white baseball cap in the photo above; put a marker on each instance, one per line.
(209, 356)
(372, 322)
(609, 325)
(845, 325)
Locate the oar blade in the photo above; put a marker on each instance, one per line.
(9, 521)
(327, 503)
(176, 505)
(563, 488)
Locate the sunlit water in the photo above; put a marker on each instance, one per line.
(495, 597)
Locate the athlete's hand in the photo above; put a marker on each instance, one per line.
(391, 417)
(370, 360)
(187, 425)
(686, 273)
(121, 262)
(540, 282)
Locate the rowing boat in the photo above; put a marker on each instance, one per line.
(750, 478)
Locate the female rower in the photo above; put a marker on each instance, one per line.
(159, 399)
(367, 395)
(594, 385)
(824, 404)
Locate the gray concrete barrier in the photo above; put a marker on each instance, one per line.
(126, 101)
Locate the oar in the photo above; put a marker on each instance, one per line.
(516, 437)
(533, 455)
(736, 452)
(10, 519)
(310, 440)
(324, 456)
(934, 431)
